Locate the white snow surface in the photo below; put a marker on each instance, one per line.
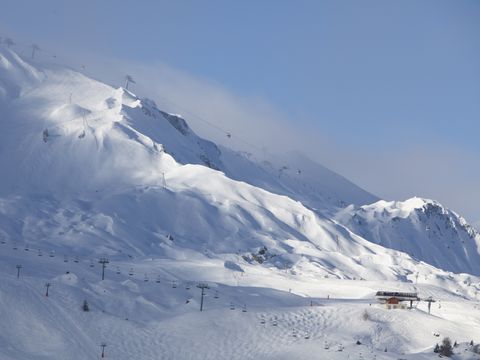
(422, 228)
(92, 171)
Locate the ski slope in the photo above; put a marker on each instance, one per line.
(94, 171)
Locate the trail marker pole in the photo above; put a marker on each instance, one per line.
(47, 285)
(164, 183)
(18, 271)
(128, 80)
(429, 301)
(203, 287)
(104, 261)
(35, 47)
(103, 346)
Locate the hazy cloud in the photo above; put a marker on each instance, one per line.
(431, 169)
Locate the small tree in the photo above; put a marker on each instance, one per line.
(85, 306)
(446, 348)
(436, 349)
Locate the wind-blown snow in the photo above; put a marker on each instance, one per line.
(90, 170)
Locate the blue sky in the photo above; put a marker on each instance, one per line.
(394, 83)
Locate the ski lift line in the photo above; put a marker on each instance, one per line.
(226, 133)
(178, 282)
(198, 117)
(55, 58)
(195, 116)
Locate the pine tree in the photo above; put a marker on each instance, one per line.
(446, 347)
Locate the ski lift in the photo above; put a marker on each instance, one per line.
(216, 294)
(76, 260)
(174, 284)
(229, 135)
(15, 247)
(118, 271)
(145, 278)
(232, 307)
(40, 253)
(244, 309)
(306, 335)
(45, 135)
(262, 320)
(92, 264)
(187, 287)
(26, 247)
(130, 272)
(275, 321)
(158, 279)
(294, 333)
(52, 254)
(65, 258)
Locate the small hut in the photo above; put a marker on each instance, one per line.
(395, 299)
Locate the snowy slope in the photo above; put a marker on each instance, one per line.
(95, 171)
(422, 228)
(295, 175)
(476, 225)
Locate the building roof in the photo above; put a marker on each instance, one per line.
(383, 295)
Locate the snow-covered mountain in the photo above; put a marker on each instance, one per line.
(422, 228)
(68, 138)
(476, 225)
(89, 170)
